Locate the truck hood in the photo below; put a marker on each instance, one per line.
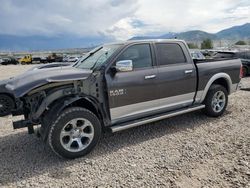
(24, 83)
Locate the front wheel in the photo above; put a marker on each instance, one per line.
(75, 133)
(216, 101)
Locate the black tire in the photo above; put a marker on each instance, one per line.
(245, 71)
(209, 110)
(7, 104)
(64, 119)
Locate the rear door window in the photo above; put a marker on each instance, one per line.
(168, 54)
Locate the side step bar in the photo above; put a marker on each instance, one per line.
(122, 127)
(24, 123)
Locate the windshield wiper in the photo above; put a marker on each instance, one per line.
(90, 54)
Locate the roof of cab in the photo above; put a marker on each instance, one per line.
(144, 41)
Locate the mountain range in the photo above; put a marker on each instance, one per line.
(35, 43)
(234, 33)
(28, 43)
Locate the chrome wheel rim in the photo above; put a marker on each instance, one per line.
(77, 135)
(218, 101)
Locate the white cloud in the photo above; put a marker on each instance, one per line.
(120, 19)
(176, 16)
(123, 29)
(161, 16)
(54, 17)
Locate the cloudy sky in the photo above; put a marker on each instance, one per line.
(119, 19)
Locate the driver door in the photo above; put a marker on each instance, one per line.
(133, 93)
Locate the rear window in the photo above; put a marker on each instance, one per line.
(169, 54)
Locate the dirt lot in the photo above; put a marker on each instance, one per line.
(191, 150)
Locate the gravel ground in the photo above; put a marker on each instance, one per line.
(191, 150)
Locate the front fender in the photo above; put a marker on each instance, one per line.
(57, 99)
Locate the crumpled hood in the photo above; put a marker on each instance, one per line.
(22, 84)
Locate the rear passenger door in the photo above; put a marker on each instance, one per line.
(176, 75)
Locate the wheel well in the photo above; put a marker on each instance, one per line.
(223, 82)
(88, 105)
(58, 106)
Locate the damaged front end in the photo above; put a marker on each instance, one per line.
(34, 92)
(36, 102)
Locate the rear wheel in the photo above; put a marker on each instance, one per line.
(216, 101)
(6, 105)
(75, 133)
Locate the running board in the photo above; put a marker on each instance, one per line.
(151, 119)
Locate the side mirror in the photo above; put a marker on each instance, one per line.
(124, 66)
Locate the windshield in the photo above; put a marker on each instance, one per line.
(96, 57)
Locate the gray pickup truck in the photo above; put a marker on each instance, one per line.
(116, 87)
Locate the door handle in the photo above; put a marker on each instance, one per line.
(150, 77)
(188, 71)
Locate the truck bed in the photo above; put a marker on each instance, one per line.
(212, 67)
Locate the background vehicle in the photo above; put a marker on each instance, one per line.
(9, 61)
(244, 56)
(36, 60)
(116, 87)
(71, 59)
(246, 67)
(43, 60)
(196, 54)
(223, 54)
(26, 60)
(54, 58)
